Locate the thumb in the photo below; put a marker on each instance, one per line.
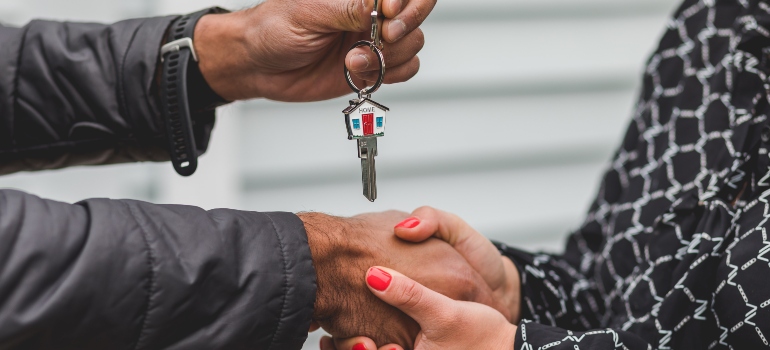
(345, 15)
(417, 301)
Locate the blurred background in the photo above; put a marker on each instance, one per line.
(515, 113)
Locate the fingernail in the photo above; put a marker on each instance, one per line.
(379, 280)
(397, 29)
(409, 223)
(359, 62)
(359, 346)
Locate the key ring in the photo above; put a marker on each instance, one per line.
(366, 92)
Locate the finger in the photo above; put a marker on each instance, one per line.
(327, 343)
(391, 8)
(417, 301)
(393, 75)
(342, 15)
(355, 343)
(391, 347)
(413, 14)
(314, 326)
(480, 253)
(363, 59)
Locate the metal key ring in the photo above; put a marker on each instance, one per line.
(380, 79)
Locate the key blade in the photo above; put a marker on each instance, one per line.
(367, 150)
(369, 178)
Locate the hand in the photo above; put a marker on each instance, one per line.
(446, 324)
(293, 50)
(343, 249)
(499, 272)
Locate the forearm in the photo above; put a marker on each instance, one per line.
(125, 274)
(83, 94)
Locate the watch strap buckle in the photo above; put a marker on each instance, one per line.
(176, 46)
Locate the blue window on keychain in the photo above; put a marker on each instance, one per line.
(356, 124)
(379, 122)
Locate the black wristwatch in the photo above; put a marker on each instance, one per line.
(184, 91)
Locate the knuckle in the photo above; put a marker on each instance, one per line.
(410, 295)
(419, 38)
(351, 14)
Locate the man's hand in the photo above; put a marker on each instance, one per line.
(498, 272)
(293, 50)
(445, 324)
(343, 250)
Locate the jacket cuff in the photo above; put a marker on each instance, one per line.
(300, 282)
(520, 336)
(521, 260)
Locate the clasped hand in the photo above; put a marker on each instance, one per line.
(436, 321)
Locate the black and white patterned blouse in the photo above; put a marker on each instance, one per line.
(674, 253)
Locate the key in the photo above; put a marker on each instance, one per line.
(365, 121)
(367, 150)
(364, 118)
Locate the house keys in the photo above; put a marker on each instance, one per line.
(364, 118)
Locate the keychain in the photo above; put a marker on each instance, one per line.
(364, 118)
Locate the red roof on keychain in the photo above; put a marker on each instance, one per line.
(365, 118)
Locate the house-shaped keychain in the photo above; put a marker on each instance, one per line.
(365, 118)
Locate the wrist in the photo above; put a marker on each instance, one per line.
(221, 45)
(513, 289)
(509, 337)
(328, 248)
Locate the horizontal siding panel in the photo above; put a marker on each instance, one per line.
(506, 205)
(458, 53)
(536, 10)
(301, 140)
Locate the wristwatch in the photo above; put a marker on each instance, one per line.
(183, 91)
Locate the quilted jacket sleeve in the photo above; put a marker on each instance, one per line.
(83, 94)
(108, 274)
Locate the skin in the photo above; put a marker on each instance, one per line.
(293, 50)
(344, 248)
(445, 324)
(498, 272)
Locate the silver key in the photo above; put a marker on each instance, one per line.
(367, 150)
(365, 121)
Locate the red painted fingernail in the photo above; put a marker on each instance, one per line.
(359, 346)
(409, 223)
(379, 280)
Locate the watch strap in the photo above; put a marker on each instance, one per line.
(178, 57)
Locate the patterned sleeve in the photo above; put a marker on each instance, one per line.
(532, 335)
(555, 290)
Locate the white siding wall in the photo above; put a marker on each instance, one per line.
(517, 108)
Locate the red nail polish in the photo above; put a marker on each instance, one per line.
(409, 223)
(359, 346)
(378, 279)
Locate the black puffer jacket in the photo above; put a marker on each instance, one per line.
(107, 274)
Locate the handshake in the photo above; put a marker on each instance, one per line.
(425, 281)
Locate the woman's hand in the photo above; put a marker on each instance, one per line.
(498, 271)
(446, 324)
(294, 50)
